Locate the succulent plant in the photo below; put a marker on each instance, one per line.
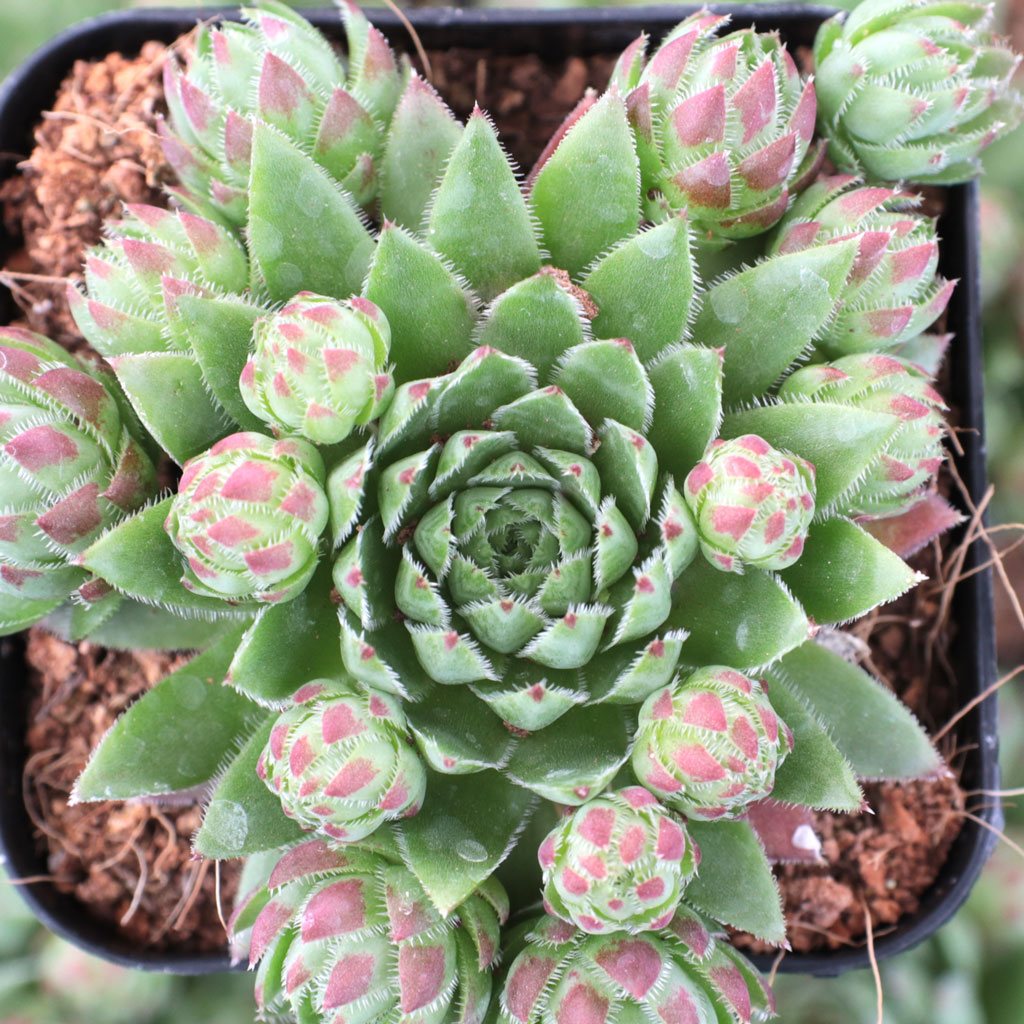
(277, 68)
(893, 293)
(70, 466)
(481, 596)
(341, 761)
(317, 368)
(752, 503)
(914, 90)
(723, 125)
(618, 863)
(679, 973)
(247, 518)
(883, 382)
(350, 934)
(709, 745)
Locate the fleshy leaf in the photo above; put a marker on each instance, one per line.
(586, 195)
(175, 736)
(687, 383)
(535, 319)
(844, 572)
(730, 852)
(479, 219)
(220, 332)
(160, 385)
(815, 773)
(421, 136)
(289, 644)
(456, 732)
(428, 310)
(243, 816)
(465, 829)
(743, 621)
(644, 289)
(838, 440)
(877, 734)
(794, 293)
(304, 232)
(138, 558)
(574, 757)
(605, 380)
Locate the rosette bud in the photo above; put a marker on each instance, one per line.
(914, 90)
(248, 517)
(69, 468)
(709, 745)
(912, 456)
(350, 935)
(893, 292)
(276, 68)
(724, 126)
(680, 973)
(318, 367)
(342, 762)
(620, 861)
(753, 504)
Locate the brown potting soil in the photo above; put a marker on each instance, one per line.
(104, 152)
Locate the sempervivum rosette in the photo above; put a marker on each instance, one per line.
(893, 292)
(349, 935)
(724, 125)
(517, 555)
(277, 68)
(619, 862)
(317, 368)
(914, 90)
(680, 973)
(69, 468)
(752, 503)
(913, 456)
(341, 761)
(248, 517)
(709, 744)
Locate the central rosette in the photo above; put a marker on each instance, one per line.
(522, 540)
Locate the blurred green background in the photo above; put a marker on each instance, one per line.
(971, 972)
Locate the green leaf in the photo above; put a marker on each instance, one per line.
(457, 733)
(794, 293)
(840, 441)
(844, 572)
(575, 757)
(743, 621)
(138, 558)
(305, 233)
(167, 391)
(421, 136)
(18, 613)
(428, 310)
(243, 815)
(289, 644)
(644, 289)
(586, 195)
(687, 383)
(536, 320)
(605, 380)
(466, 828)
(479, 219)
(875, 732)
(735, 884)
(220, 332)
(175, 736)
(814, 773)
(136, 626)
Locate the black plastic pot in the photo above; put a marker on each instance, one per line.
(551, 35)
